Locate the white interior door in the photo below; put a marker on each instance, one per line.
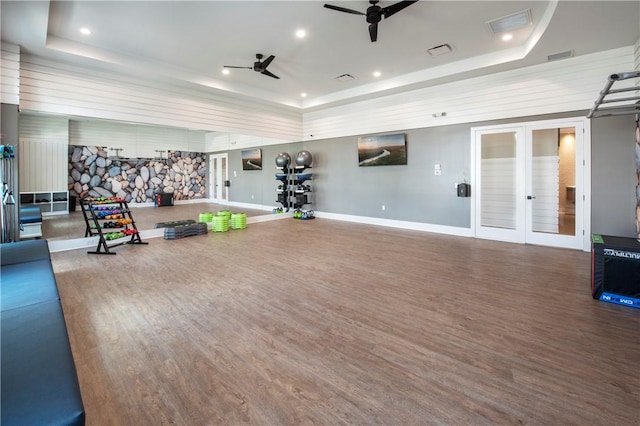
(218, 175)
(499, 193)
(554, 183)
(529, 181)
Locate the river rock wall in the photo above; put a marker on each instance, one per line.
(93, 173)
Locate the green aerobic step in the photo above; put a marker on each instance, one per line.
(220, 223)
(205, 217)
(238, 220)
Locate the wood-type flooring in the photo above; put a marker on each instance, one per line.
(72, 225)
(324, 322)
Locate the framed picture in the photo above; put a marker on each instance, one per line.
(382, 150)
(252, 159)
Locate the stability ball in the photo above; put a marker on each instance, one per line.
(283, 159)
(304, 159)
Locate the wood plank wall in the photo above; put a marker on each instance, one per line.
(10, 74)
(135, 140)
(51, 87)
(568, 85)
(43, 146)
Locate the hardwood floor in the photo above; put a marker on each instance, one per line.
(72, 225)
(324, 322)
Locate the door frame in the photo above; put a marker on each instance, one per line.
(213, 190)
(583, 199)
(517, 234)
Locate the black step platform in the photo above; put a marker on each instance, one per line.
(182, 231)
(174, 223)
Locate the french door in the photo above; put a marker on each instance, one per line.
(529, 181)
(218, 176)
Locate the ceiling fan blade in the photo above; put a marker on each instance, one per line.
(267, 61)
(343, 9)
(233, 66)
(270, 74)
(395, 8)
(373, 32)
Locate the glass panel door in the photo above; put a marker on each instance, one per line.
(554, 159)
(499, 207)
(218, 176)
(530, 182)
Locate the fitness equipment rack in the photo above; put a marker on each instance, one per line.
(111, 220)
(301, 193)
(8, 210)
(283, 191)
(622, 105)
(619, 105)
(293, 191)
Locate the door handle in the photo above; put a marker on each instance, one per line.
(530, 197)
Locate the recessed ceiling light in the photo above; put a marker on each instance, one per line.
(377, 74)
(303, 94)
(226, 71)
(301, 33)
(85, 31)
(507, 37)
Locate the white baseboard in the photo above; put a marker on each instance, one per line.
(92, 242)
(250, 206)
(175, 202)
(402, 224)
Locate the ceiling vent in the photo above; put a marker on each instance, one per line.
(345, 77)
(440, 50)
(512, 22)
(561, 55)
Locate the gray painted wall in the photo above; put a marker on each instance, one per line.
(413, 193)
(613, 177)
(257, 186)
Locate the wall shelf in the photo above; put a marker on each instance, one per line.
(50, 202)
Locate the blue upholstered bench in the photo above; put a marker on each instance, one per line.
(38, 376)
(30, 222)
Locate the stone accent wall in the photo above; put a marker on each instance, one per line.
(93, 173)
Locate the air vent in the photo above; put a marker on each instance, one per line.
(512, 22)
(561, 55)
(440, 50)
(345, 77)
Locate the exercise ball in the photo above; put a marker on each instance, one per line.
(283, 159)
(304, 159)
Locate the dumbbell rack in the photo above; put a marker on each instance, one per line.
(107, 218)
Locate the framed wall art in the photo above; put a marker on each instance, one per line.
(252, 159)
(382, 150)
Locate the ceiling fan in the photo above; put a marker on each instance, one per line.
(374, 13)
(259, 66)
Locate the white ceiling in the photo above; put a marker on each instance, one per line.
(189, 42)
